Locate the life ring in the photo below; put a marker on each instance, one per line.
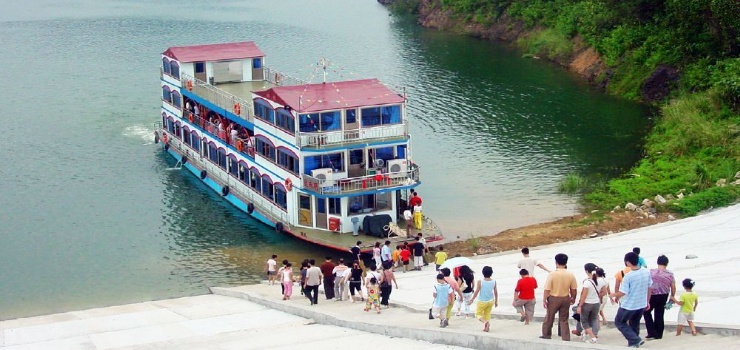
(184, 159)
(203, 174)
(164, 138)
(225, 191)
(288, 185)
(190, 117)
(277, 79)
(279, 227)
(239, 145)
(250, 208)
(156, 137)
(237, 108)
(190, 85)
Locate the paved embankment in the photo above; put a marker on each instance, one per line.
(254, 317)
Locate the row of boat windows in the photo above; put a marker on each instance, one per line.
(171, 67)
(326, 121)
(171, 96)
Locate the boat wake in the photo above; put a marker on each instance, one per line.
(141, 132)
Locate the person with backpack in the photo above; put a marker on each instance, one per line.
(588, 305)
(387, 279)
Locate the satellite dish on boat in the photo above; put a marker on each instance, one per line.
(379, 163)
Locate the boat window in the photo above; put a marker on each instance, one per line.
(401, 151)
(166, 94)
(267, 186)
(288, 161)
(175, 69)
(334, 161)
(355, 156)
(257, 63)
(330, 121)
(263, 111)
(305, 202)
(165, 65)
(194, 140)
(176, 99)
(233, 167)
(266, 149)
(171, 125)
(335, 206)
(350, 116)
(381, 115)
(384, 153)
(369, 203)
(200, 67)
(212, 154)
(243, 172)
(308, 122)
(320, 205)
(281, 197)
(186, 135)
(254, 179)
(177, 130)
(285, 121)
(222, 158)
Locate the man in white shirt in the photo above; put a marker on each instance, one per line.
(409, 221)
(385, 254)
(270, 269)
(528, 263)
(313, 280)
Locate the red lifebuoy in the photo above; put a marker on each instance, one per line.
(237, 108)
(288, 185)
(190, 117)
(239, 145)
(190, 85)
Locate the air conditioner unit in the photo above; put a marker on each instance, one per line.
(324, 175)
(397, 167)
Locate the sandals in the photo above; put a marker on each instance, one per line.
(486, 326)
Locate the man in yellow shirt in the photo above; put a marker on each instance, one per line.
(440, 257)
(560, 293)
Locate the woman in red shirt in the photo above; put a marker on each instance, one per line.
(524, 296)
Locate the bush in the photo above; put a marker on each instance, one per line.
(405, 6)
(711, 198)
(572, 183)
(548, 43)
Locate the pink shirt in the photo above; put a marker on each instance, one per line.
(453, 284)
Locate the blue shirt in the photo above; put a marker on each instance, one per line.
(486, 290)
(641, 262)
(635, 287)
(443, 290)
(385, 253)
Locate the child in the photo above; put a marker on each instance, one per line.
(443, 296)
(524, 299)
(286, 276)
(373, 295)
(440, 257)
(688, 301)
(488, 297)
(405, 257)
(396, 257)
(602, 280)
(280, 276)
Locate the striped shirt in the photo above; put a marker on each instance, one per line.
(635, 287)
(662, 281)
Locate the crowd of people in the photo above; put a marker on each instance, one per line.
(640, 292)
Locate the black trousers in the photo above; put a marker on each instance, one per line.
(329, 287)
(654, 323)
(385, 293)
(312, 293)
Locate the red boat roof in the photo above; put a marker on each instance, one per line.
(214, 52)
(333, 95)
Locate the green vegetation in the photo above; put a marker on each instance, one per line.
(405, 6)
(696, 139)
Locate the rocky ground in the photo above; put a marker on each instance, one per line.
(583, 226)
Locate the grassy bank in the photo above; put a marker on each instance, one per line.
(680, 55)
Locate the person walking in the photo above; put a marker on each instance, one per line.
(664, 290)
(387, 280)
(418, 249)
(286, 277)
(279, 276)
(372, 295)
(640, 260)
(634, 296)
(376, 255)
(355, 280)
(405, 257)
(528, 263)
(455, 288)
(313, 280)
(524, 299)
(560, 292)
(440, 257)
(688, 301)
(588, 305)
(327, 270)
(488, 292)
(386, 255)
(602, 278)
(409, 218)
(339, 285)
(466, 281)
(270, 269)
(443, 296)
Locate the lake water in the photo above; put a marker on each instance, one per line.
(92, 214)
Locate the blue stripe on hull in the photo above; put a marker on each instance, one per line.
(238, 203)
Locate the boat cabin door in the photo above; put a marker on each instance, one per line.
(305, 216)
(200, 71)
(356, 163)
(321, 217)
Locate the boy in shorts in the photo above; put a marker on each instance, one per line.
(405, 255)
(443, 296)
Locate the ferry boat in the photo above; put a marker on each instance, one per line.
(324, 162)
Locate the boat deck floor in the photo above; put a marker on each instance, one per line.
(244, 89)
(344, 241)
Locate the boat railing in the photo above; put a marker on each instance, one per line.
(219, 97)
(362, 183)
(320, 139)
(243, 145)
(281, 79)
(218, 175)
